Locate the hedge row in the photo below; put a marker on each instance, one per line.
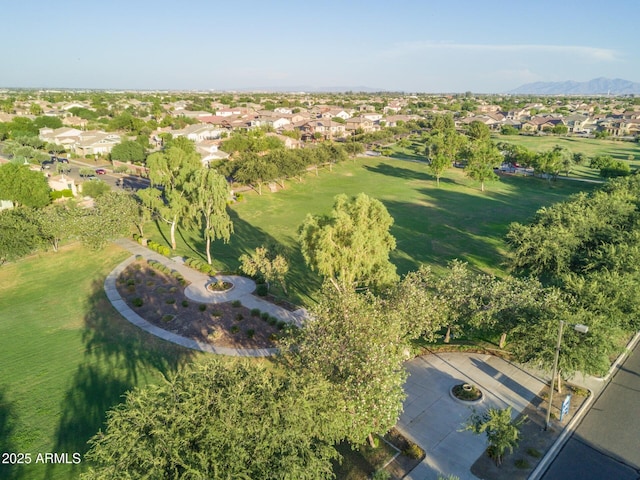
(199, 265)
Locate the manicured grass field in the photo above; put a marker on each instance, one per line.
(590, 147)
(67, 356)
(432, 225)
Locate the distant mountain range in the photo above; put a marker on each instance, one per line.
(597, 86)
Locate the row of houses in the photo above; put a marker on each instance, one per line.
(621, 125)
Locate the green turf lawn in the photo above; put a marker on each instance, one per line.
(67, 356)
(432, 225)
(591, 147)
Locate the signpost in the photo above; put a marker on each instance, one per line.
(564, 410)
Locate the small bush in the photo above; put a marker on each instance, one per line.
(413, 451)
(255, 312)
(202, 307)
(251, 332)
(273, 320)
(262, 290)
(205, 268)
(216, 313)
(150, 283)
(170, 301)
(273, 337)
(534, 452)
(234, 329)
(137, 302)
(130, 281)
(239, 317)
(281, 324)
(381, 474)
(185, 303)
(264, 316)
(167, 318)
(139, 257)
(173, 289)
(214, 334)
(236, 304)
(522, 463)
(581, 392)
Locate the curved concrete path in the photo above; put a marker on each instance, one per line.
(196, 291)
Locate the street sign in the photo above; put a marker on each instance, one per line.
(564, 409)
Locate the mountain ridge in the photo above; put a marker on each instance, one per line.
(596, 86)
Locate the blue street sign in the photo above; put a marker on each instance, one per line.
(564, 409)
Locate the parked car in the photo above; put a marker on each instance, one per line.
(63, 160)
(100, 171)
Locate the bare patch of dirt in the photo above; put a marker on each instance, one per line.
(159, 298)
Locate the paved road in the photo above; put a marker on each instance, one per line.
(606, 444)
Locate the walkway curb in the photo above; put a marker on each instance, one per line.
(577, 418)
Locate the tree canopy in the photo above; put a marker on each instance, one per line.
(216, 421)
(350, 247)
(23, 186)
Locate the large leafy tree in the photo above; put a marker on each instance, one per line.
(256, 170)
(209, 201)
(175, 171)
(443, 146)
(267, 263)
(220, 422)
(350, 247)
(128, 151)
(482, 157)
(19, 235)
(350, 340)
(23, 186)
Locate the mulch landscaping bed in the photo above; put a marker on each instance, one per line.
(159, 299)
(535, 441)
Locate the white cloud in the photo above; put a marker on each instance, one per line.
(593, 53)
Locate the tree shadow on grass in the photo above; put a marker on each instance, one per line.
(118, 357)
(399, 172)
(8, 471)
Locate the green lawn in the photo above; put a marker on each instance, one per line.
(591, 147)
(432, 225)
(67, 356)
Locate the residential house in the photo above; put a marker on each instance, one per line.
(64, 136)
(96, 143)
(199, 132)
(373, 116)
(209, 152)
(355, 123)
(328, 129)
(61, 182)
(289, 142)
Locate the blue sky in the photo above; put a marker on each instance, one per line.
(416, 46)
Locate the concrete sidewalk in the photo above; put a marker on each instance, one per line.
(433, 419)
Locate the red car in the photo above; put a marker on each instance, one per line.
(100, 171)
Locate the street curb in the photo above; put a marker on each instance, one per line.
(568, 430)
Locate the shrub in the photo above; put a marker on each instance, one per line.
(139, 257)
(202, 307)
(255, 312)
(205, 268)
(281, 324)
(534, 452)
(264, 316)
(413, 451)
(381, 474)
(262, 290)
(522, 463)
(251, 332)
(167, 318)
(236, 304)
(239, 317)
(216, 313)
(170, 301)
(137, 302)
(234, 329)
(273, 337)
(130, 281)
(185, 303)
(164, 250)
(273, 320)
